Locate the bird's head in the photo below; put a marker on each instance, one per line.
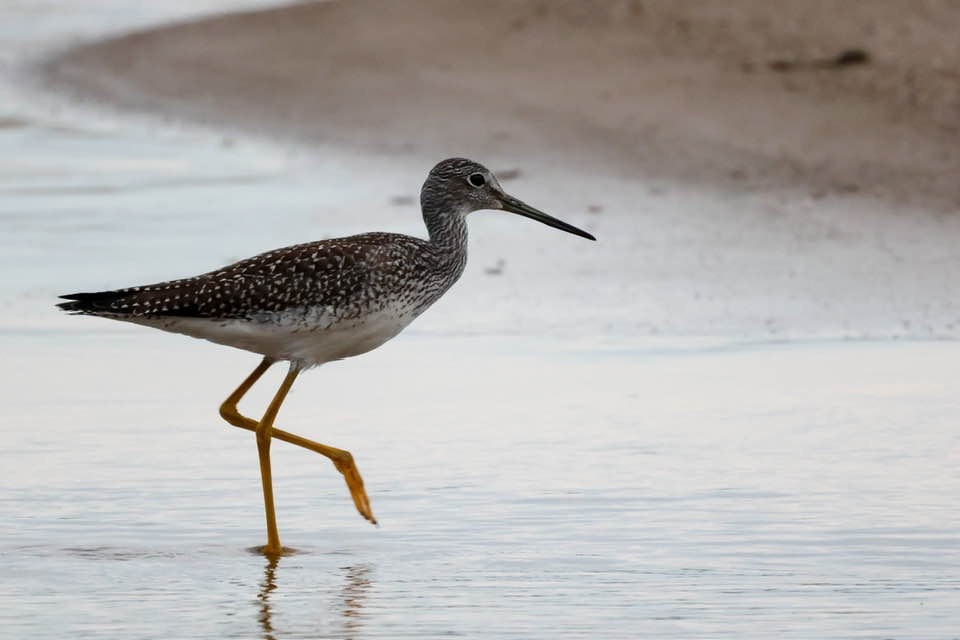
(461, 186)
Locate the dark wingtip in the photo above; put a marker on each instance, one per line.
(70, 307)
(75, 303)
(85, 302)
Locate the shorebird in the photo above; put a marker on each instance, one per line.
(314, 303)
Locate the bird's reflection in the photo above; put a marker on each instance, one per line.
(356, 584)
(349, 603)
(267, 587)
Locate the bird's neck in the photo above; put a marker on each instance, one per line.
(447, 229)
(448, 239)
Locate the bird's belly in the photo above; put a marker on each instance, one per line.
(288, 337)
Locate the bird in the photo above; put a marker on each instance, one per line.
(314, 303)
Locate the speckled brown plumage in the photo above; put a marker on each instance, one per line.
(319, 301)
(346, 277)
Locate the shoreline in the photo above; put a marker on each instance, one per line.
(698, 109)
(731, 199)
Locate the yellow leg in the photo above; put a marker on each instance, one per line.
(264, 433)
(342, 460)
(241, 391)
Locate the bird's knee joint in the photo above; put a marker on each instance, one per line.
(228, 412)
(344, 461)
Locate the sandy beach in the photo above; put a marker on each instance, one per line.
(745, 95)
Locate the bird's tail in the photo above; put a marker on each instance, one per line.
(174, 298)
(92, 303)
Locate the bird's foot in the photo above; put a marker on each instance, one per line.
(351, 474)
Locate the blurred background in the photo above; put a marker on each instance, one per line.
(733, 415)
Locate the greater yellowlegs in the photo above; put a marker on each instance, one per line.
(321, 301)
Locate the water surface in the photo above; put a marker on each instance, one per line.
(530, 483)
(526, 488)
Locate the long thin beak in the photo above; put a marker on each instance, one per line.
(513, 205)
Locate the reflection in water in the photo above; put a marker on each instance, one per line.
(266, 588)
(349, 605)
(352, 595)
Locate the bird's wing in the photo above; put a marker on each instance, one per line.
(329, 273)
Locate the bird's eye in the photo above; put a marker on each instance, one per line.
(477, 179)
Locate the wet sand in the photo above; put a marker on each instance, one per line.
(745, 95)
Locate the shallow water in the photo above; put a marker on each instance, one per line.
(526, 488)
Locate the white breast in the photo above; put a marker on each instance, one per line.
(284, 337)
